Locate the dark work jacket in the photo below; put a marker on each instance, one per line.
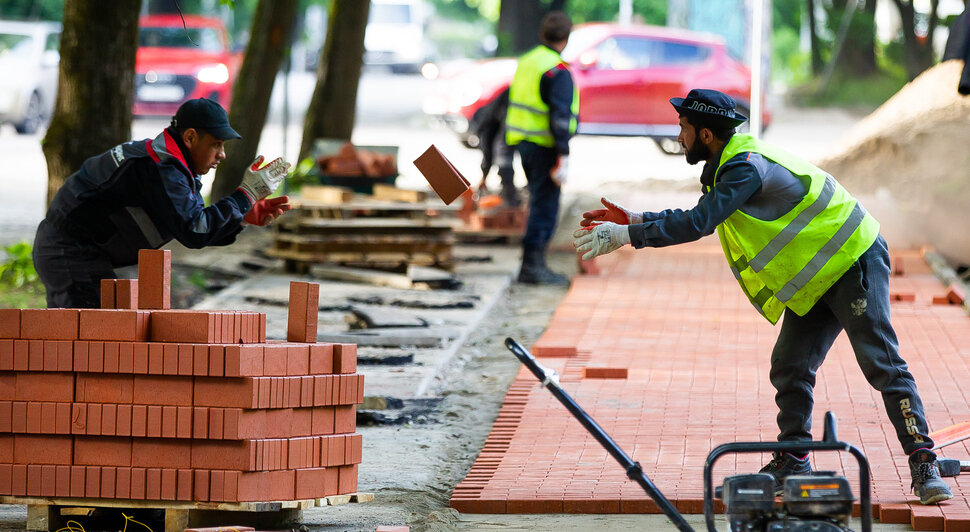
(141, 195)
(958, 47)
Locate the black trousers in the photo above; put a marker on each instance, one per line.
(538, 161)
(71, 271)
(859, 304)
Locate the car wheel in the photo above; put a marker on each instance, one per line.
(33, 118)
(669, 145)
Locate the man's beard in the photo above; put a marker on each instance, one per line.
(697, 152)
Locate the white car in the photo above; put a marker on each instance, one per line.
(28, 73)
(395, 36)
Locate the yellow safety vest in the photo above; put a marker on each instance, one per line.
(792, 261)
(528, 115)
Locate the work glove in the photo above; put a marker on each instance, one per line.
(560, 172)
(612, 213)
(259, 182)
(265, 211)
(600, 239)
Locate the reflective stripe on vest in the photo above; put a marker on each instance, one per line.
(527, 118)
(796, 258)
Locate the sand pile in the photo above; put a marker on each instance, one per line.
(913, 153)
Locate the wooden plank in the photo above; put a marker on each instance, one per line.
(375, 259)
(361, 275)
(176, 519)
(258, 506)
(392, 193)
(326, 194)
(40, 516)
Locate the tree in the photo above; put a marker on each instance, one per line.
(816, 50)
(918, 50)
(96, 87)
(518, 24)
(270, 37)
(333, 104)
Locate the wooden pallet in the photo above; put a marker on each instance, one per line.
(369, 209)
(52, 513)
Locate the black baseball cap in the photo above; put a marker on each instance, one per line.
(206, 115)
(711, 106)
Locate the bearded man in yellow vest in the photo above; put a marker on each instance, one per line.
(542, 116)
(799, 245)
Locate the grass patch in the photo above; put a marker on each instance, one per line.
(19, 285)
(862, 94)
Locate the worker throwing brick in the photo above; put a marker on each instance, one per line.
(799, 245)
(141, 195)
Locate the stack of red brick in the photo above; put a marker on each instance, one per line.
(139, 401)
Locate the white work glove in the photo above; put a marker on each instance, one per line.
(612, 213)
(600, 239)
(560, 172)
(259, 182)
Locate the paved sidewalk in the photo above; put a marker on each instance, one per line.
(696, 356)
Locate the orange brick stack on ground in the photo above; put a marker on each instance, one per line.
(138, 401)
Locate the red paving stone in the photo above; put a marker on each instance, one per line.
(697, 360)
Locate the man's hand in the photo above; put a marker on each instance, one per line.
(600, 239)
(560, 172)
(259, 182)
(612, 213)
(265, 211)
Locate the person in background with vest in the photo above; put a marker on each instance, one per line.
(141, 195)
(799, 245)
(488, 123)
(543, 111)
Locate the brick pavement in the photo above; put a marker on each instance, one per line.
(695, 356)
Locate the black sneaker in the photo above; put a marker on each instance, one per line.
(784, 464)
(927, 483)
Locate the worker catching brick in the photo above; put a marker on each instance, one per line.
(800, 245)
(141, 195)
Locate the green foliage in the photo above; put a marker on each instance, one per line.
(790, 64)
(33, 9)
(860, 93)
(305, 173)
(645, 11)
(198, 279)
(18, 270)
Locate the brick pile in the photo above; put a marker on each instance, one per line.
(140, 401)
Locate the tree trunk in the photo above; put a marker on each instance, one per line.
(95, 89)
(518, 26)
(333, 104)
(813, 40)
(858, 54)
(271, 34)
(918, 56)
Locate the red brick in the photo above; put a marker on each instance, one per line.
(92, 388)
(18, 417)
(49, 324)
(344, 358)
(223, 454)
(183, 424)
(139, 421)
(155, 356)
(321, 359)
(108, 477)
(123, 483)
(62, 481)
(96, 357)
(65, 355)
(6, 448)
(35, 355)
(126, 293)
(244, 361)
(21, 355)
(297, 326)
(200, 485)
(217, 360)
(600, 372)
(102, 451)
(153, 428)
(62, 418)
(50, 354)
(187, 326)
(109, 419)
(33, 480)
(262, 328)
(161, 390)
(274, 359)
(138, 482)
(140, 358)
(347, 479)
(10, 323)
(200, 360)
(56, 387)
(298, 360)
(200, 422)
(112, 354)
(93, 419)
(323, 420)
(217, 483)
(79, 413)
(46, 450)
(33, 417)
(169, 484)
(18, 479)
(108, 293)
(153, 484)
(345, 419)
(154, 278)
(356, 446)
(238, 393)
(231, 486)
(6, 417)
(311, 483)
(444, 178)
(955, 294)
(169, 421)
(126, 357)
(183, 490)
(926, 517)
(77, 481)
(185, 359)
(123, 424)
(6, 355)
(216, 423)
(170, 359)
(114, 325)
(161, 453)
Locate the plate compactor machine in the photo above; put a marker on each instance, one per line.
(819, 502)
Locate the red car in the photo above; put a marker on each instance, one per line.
(175, 64)
(625, 75)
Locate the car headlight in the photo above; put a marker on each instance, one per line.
(217, 73)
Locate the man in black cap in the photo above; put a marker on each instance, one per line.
(800, 245)
(141, 195)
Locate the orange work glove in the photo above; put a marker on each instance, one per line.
(612, 213)
(267, 210)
